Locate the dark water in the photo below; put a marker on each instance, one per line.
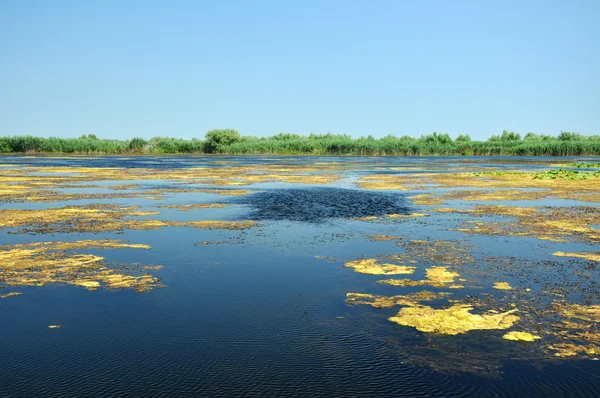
(319, 204)
(264, 312)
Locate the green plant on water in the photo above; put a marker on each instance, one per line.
(562, 174)
(584, 165)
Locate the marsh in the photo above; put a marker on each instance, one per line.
(309, 276)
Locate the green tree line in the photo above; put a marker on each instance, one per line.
(229, 141)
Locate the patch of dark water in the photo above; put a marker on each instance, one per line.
(319, 204)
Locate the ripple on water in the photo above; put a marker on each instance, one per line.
(319, 204)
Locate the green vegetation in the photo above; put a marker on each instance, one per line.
(584, 165)
(562, 174)
(229, 141)
(559, 174)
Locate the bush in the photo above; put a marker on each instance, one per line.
(215, 140)
(137, 144)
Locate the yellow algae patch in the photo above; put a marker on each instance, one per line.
(232, 192)
(453, 320)
(99, 218)
(547, 223)
(383, 185)
(497, 195)
(372, 267)
(426, 199)
(407, 215)
(507, 185)
(440, 275)
(520, 336)
(436, 276)
(44, 184)
(188, 207)
(11, 218)
(569, 350)
(586, 256)
(123, 187)
(391, 301)
(452, 210)
(382, 237)
(41, 263)
(582, 186)
(91, 285)
(10, 294)
(502, 286)
(587, 313)
(366, 218)
(400, 182)
(391, 216)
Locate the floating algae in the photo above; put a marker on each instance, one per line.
(10, 294)
(520, 336)
(451, 252)
(195, 206)
(382, 237)
(410, 215)
(230, 192)
(426, 199)
(547, 223)
(586, 256)
(502, 286)
(398, 182)
(44, 184)
(372, 266)
(391, 301)
(100, 218)
(452, 321)
(41, 263)
(436, 276)
(587, 313)
(392, 216)
(573, 185)
(569, 349)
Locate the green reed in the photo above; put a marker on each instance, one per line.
(229, 141)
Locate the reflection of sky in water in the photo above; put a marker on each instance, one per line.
(256, 313)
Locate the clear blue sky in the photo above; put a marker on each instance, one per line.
(128, 68)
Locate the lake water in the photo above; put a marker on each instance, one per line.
(262, 311)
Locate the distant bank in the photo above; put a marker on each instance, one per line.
(229, 141)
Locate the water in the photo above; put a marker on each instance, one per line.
(262, 312)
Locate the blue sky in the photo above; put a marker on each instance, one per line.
(121, 69)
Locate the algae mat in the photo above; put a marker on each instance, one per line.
(299, 276)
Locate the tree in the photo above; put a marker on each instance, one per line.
(510, 136)
(137, 144)
(568, 136)
(216, 140)
(463, 138)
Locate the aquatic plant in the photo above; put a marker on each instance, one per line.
(520, 336)
(584, 165)
(456, 319)
(372, 266)
(435, 276)
(41, 263)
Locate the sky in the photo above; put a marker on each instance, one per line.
(127, 68)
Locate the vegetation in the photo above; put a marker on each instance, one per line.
(585, 165)
(229, 141)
